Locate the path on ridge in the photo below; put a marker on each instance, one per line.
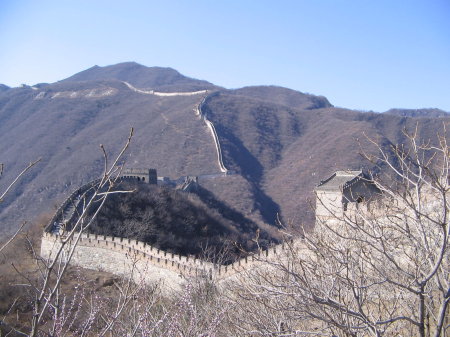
(198, 111)
(167, 94)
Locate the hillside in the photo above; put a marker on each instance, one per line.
(284, 151)
(3, 87)
(66, 132)
(431, 112)
(278, 143)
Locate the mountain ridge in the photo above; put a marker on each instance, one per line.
(138, 75)
(279, 142)
(421, 112)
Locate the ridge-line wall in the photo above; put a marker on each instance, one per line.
(211, 127)
(167, 94)
(125, 257)
(118, 255)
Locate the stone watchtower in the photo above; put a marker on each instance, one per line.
(342, 193)
(145, 175)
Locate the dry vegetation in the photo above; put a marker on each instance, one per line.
(376, 272)
(20, 271)
(284, 144)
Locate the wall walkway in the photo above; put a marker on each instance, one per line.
(166, 94)
(199, 112)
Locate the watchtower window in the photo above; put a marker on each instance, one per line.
(143, 178)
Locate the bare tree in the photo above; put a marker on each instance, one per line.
(48, 298)
(7, 190)
(136, 309)
(380, 269)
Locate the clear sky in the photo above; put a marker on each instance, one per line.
(360, 54)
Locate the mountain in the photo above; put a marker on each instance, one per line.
(424, 112)
(277, 143)
(171, 220)
(283, 96)
(140, 76)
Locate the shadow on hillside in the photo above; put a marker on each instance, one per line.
(267, 207)
(246, 163)
(245, 225)
(252, 170)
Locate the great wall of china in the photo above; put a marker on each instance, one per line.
(198, 112)
(166, 94)
(121, 256)
(118, 255)
(132, 258)
(144, 263)
(125, 257)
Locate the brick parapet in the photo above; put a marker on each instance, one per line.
(181, 267)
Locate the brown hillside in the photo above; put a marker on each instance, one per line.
(285, 151)
(66, 133)
(280, 143)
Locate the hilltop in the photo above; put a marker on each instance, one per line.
(430, 112)
(158, 78)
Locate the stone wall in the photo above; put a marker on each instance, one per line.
(125, 257)
(165, 94)
(60, 211)
(212, 129)
(146, 263)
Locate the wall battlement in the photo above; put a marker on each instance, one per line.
(116, 255)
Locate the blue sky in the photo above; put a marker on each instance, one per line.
(360, 54)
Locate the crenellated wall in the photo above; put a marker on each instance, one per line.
(119, 256)
(60, 211)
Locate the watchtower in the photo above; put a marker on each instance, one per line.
(342, 193)
(145, 175)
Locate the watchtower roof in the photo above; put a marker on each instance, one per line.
(340, 180)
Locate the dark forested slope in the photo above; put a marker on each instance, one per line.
(173, 221)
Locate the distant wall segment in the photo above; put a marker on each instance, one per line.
(165, 94)
(199, 112)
